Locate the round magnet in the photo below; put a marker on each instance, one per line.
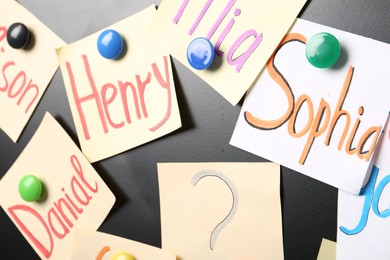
(30, 188)
(200, 53)
(122, 256)
(110, 44)
(323, 50)
(18, 36)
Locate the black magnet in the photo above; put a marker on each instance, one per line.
(18, 36)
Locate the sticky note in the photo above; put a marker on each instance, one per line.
(73, 196)
(327, 250)
(221, 210)
(119, 104)
(363, 221)
(89, 244)
(244, 35)
(324, 123)
(24, 76)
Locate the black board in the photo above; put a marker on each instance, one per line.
(309, 207)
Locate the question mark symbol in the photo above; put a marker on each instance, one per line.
(221, 225)
(3, 33)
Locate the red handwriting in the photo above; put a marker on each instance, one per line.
(19, 88)
(16, 85)
(109, 92)
(317, 123)
(3, 34)
(62, 214)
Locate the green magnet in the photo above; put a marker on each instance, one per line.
(30, 188)
(323, 50)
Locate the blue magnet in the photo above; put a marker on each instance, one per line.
(200, 53)
(110, 44)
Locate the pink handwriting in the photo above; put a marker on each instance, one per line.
(232, 57)
(16, 84)
(109, 93)
(3, 34)
(20, 87)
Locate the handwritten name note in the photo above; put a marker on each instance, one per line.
(89, 244)
(324, 123)
(363, 221)
(119, 104)
(235, 208)
(244, 34)
(74, 194)
(24, 77)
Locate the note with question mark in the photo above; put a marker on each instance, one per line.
(221, 210)
(218, 228)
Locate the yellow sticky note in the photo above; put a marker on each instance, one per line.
(89, 244)
(119, 104)
(221, 210)
(244, 34)
(26, 73)
(73, 195)
(327, 250)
